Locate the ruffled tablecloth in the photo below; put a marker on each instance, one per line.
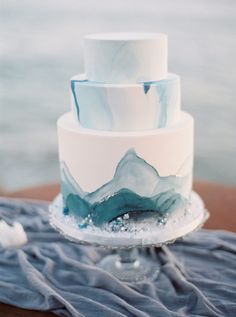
(197, 278)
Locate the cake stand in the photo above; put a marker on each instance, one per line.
(127, 262)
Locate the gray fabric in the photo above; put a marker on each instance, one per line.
(49, 273)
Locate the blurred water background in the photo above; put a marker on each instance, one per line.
(41, 48)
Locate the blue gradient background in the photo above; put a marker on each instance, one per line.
(41, 48)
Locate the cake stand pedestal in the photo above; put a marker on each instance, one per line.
(128, 263)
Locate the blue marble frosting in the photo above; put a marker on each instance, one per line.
(130, 107)
(125, 57)
(135, 187)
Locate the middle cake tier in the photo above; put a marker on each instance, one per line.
(128, 107)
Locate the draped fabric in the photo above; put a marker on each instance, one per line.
(49, 273)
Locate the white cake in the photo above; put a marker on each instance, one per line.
(126, 148)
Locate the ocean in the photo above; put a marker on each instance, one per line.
(41, 48)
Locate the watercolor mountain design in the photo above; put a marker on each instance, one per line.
(135, 187)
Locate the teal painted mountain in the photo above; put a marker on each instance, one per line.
(135, 187)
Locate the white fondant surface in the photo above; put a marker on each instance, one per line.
(92, 156)
(126, 107)
(125, 57)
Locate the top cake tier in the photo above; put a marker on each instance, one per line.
(125, 57)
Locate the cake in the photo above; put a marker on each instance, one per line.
(125, 148)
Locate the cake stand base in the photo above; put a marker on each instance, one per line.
(129, 266)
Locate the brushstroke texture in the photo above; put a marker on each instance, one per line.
(136, 186)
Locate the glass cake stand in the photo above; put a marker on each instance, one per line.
(128, 263)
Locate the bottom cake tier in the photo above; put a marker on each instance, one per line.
(118, 177)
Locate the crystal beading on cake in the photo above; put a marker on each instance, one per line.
(126, 149)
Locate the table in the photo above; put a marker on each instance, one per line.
(220, 200)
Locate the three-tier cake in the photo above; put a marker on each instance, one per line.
(126, 148)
